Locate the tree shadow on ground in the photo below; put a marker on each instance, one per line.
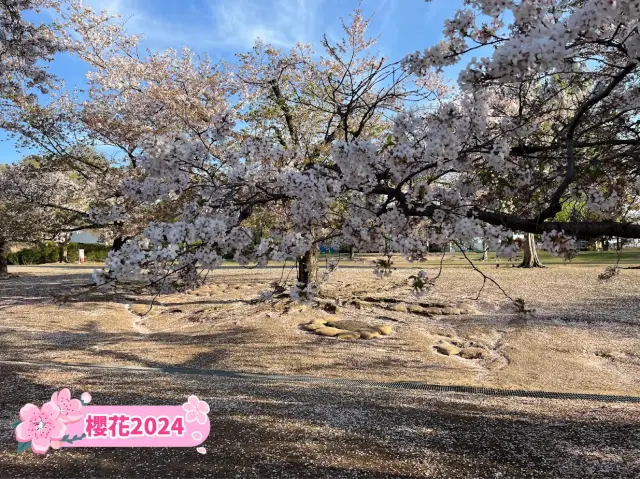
(19, 345)
(30, 289)
(285, 430)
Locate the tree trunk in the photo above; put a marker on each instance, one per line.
(119, 242)
(62, 253)
(4, 271)
(352, 253)
(605, 244)
(530, 259)
(308, 267)
(485, 251)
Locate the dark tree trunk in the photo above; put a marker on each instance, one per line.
(530, 259)
(605, 245)
(352, 253)
(308, 267)
(4, 271)
(119, 242)
(62, 253)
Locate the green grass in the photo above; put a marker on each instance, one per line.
(628, 256)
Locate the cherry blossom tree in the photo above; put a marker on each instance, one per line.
(23, 48)
(570, 70)
(131, 96)
(303, 105)
(40, 201)
(546, 113)
(293, 109)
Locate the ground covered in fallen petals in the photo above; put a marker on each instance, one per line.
(580, 335)
(279, 430)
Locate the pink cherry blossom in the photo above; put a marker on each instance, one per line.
(196, 410)
(69, 408)
(40, 426)
(504, 151)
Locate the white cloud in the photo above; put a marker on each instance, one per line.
(224, 24)
(283, 23)
(159, 33)
(111, 6)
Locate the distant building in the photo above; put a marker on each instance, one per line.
(86, 237)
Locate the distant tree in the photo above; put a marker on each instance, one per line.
(530, 258)
(40, 203)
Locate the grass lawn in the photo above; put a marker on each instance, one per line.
(628, 256)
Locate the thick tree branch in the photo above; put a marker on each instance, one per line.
(584, 229)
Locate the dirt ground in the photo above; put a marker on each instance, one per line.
(582, 335)
(282, 430)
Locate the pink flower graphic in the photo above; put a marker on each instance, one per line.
(196, 410)
(40, 426)
(69, 408)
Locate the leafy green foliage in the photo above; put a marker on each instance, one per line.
(49, 253)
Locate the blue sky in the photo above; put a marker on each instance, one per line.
(222, 28)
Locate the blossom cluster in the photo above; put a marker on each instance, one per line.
(252, 165)
(559, 244)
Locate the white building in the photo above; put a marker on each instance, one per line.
(86, 237)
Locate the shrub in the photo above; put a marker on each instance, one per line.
(39, 254)
(49, 253)
(92, 252)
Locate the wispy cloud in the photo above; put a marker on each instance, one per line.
(142, 18)
(283, 23)
(219, 24)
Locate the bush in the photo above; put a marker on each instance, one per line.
(92, 252)
(39, 254)
(49, 253)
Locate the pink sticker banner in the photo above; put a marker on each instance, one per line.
(137, 426)
(67, 422)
